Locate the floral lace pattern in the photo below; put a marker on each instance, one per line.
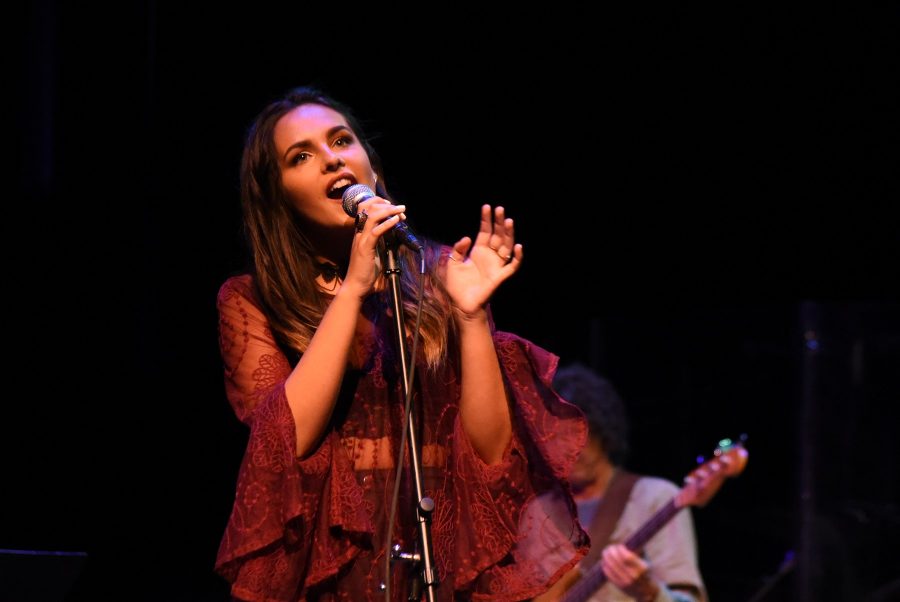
(313, 528)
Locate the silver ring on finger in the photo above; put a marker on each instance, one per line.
(361, 218)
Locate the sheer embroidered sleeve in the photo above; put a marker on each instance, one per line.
(278, 535)
(515, 530)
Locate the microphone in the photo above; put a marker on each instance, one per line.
(356, 194)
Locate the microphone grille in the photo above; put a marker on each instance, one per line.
(353, 196)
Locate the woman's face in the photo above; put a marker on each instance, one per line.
(320, 156)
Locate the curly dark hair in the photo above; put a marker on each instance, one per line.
(601, 404)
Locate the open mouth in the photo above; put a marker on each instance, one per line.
(336, 191)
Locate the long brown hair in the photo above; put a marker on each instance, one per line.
(285, 268)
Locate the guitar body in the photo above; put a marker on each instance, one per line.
(560, 587)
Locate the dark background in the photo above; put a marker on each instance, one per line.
(704, 196)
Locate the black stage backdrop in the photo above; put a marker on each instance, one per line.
(697, 192)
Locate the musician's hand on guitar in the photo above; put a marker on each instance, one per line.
(629, 572)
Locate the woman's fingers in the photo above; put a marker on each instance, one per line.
(377, 216)
(485, 227)
(501, 240)
(385, 225)
(498, 233)
(515, 258)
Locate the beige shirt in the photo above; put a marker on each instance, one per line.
(671, 553)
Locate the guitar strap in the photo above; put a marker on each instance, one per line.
(608, 514)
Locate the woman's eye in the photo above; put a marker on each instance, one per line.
(343, 141)
(299, 158)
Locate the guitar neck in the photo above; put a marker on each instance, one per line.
(652, 526)
(701, 484)
(595, 577)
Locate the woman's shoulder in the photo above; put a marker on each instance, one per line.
(240, 285)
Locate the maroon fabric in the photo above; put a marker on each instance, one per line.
(313, 528)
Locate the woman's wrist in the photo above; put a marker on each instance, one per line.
(347, 295)
(466, 319)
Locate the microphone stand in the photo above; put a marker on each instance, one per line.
(423, 559)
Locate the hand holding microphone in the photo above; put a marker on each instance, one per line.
(475, 268)
(356, 194)
(375, 220)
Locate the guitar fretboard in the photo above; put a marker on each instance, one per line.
(594, 578)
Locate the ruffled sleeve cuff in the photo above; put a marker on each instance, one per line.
(294, 521)
(520, 532)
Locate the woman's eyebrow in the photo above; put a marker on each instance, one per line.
(306, 143)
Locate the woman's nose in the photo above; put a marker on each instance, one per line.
(332, 161)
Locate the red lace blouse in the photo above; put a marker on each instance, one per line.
(313, 528)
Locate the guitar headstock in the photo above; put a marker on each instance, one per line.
(729, 460)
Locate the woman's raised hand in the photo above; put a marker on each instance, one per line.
(474, 271)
